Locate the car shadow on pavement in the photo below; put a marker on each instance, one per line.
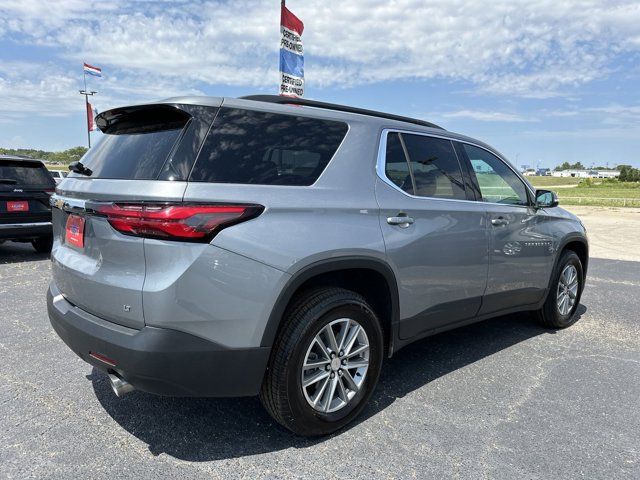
(12, 252)
(204, 429)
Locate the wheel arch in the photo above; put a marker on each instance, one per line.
(343, 272)
(578, 244)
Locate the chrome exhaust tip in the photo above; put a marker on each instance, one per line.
(119, 385)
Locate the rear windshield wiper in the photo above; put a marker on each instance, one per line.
(9, 181)
(78, 167)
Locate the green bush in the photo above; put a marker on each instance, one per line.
(629, 174)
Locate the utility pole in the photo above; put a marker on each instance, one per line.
(86, 94)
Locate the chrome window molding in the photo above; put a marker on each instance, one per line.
(381, 173)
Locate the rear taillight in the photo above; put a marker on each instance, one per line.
(176, 221)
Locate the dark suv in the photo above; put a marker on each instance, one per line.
(229, 247)
(25, 214)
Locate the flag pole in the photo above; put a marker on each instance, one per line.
(86, 94)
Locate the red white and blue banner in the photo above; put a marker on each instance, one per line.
(92, 113)
(91, 70)
(291, 54)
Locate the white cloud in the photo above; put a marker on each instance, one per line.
(488, 116)
(510, 48)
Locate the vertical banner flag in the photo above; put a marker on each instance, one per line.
(92, 112)
(291, 54)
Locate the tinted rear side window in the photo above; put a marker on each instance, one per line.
(137, 144)
(435, 167)
(17, 173)
(424, 166)
(250, 147)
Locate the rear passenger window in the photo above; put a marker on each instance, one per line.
(433, 169)
(250, 147)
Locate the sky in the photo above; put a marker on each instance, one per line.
(542, 81)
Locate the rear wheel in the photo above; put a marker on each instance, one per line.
(325, 364)
(559, 309)
(43, 244)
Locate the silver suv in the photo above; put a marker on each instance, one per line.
(282, 247)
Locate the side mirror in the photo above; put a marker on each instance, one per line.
(546, 199)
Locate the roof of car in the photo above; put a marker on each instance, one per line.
(281, 102)
(20, 158)
(288, 105)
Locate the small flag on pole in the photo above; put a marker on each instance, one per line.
(91, 70)
(92, 112)
(291, 54)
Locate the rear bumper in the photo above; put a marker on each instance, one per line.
(21, 231)
(159, 360)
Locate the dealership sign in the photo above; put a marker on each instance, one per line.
(291, 54)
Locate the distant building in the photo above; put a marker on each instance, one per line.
(529, 172)
(587, 173)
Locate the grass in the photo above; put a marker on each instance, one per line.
(553, 181)
(615, 194)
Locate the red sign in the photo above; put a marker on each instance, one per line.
(74, 232)
(18, 206)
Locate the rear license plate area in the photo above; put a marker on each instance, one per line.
(18, 206)
(74, 231)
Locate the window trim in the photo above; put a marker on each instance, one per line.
(381, 173)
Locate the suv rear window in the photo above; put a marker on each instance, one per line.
(23, 173)
(250, 147)
(136, 142)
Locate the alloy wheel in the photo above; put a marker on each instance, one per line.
(567, 289)
(335, 365)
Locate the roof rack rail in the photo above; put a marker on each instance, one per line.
(340, 108)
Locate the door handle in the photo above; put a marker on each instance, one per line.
(402, 221)
(497, 222)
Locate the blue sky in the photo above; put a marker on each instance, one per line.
(542, 81)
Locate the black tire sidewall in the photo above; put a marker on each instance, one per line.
(43, 244)
(316, 422)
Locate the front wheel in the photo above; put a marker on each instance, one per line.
(325, 363)
(559, 309)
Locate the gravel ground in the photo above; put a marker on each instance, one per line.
(500, 399)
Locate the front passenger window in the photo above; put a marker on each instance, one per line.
(498, 183)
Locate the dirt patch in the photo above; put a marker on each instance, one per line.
(614, 233)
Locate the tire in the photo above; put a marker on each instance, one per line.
(308, 317)
(42, 244)
(550, 315)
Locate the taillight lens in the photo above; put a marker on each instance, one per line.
(176, 221)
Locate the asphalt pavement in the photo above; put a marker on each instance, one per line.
(500, 399)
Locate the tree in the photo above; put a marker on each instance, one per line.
(570, 166)
(65, 156)
(629, 174)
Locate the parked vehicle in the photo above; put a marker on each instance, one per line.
(25, 214)
(285, 247)
(58, 175)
